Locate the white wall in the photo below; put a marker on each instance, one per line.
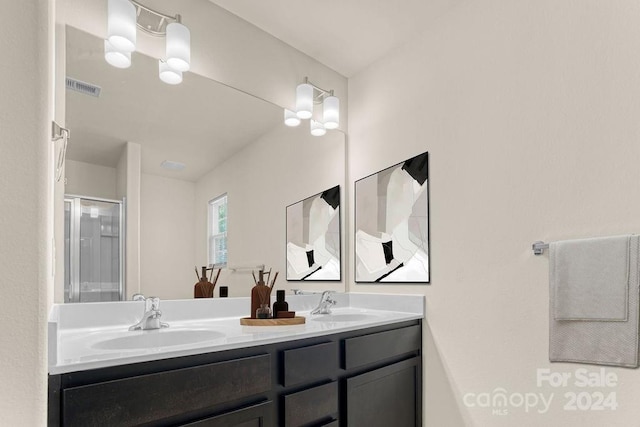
(128, 177)
(530, 112)
(59, 186)
(88, 179)
(26, 220)
(259, 186)
(167, 237)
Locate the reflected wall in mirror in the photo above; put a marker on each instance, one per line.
(230, 143)
(313, 237)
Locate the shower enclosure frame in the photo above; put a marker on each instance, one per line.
(74, 244)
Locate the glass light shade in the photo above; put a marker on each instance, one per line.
(290, 118)
(121, 25)
(115, 57)
(178, 47)
(168, 74)
(317, 128)
(331, 112)
(304, 101)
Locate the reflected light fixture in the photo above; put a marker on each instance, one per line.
(115, 57)
(308, 94)
(123, 18)
(291, 118)
(168, 74)
(317, 128)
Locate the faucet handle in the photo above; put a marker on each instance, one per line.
(138, 297)
(152, 303)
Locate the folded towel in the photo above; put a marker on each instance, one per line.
(590, 278)
(599, 334)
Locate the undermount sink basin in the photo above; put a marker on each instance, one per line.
(342, 317)
(158, 338)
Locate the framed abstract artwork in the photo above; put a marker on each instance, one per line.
(392, 224)
(313, 238)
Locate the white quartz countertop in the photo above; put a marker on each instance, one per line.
(96, 335)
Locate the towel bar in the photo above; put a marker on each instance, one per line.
(246, 268)
(539, 247)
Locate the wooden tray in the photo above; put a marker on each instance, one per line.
(247, 321)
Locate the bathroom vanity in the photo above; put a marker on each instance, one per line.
(359, 365)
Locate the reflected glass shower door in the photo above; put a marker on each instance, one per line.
(94, 243)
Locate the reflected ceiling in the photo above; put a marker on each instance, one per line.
(200, 122)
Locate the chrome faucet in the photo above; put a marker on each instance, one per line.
(151, 317)
(324, 307)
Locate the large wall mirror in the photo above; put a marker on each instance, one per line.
(234, 148)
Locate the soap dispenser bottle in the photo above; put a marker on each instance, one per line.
(280, 304)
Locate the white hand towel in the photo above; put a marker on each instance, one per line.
(590, 278)
(597, 337)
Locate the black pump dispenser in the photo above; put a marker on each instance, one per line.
(280, 304)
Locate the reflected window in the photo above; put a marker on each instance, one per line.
(218, 220)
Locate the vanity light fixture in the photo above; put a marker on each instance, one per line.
(123, 18)
(121, 25)
(331, 112)
(304, 100)
(308, 95)
(178, 47)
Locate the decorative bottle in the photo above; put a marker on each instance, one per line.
(260, 294)
(280, 304)
(264, 312)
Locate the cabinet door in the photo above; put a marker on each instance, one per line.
(253, 416)
(388, 396)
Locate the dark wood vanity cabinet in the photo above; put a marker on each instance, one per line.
(367, 377)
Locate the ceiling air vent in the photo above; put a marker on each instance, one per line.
(83, 87)
(171, 165)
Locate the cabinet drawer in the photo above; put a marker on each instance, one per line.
(314, 405)
(254, 416)
(371, 348)
(316, 362)
(152, 397)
